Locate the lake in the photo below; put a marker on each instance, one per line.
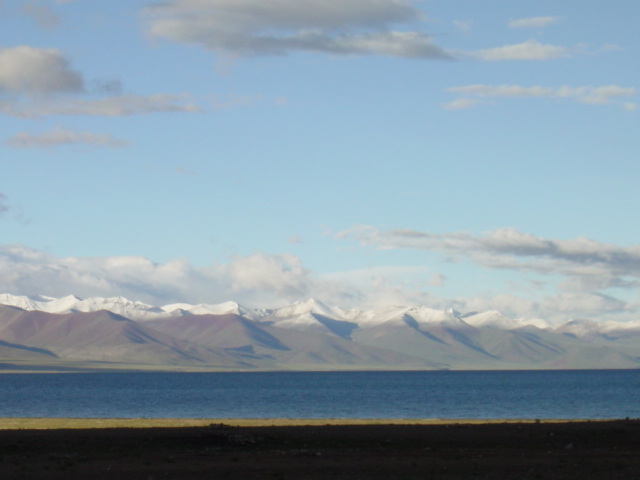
(589, 394)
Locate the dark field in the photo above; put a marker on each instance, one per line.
(573, 450)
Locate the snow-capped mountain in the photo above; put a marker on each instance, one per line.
(304, 335)
(133, 310)
(307, 312)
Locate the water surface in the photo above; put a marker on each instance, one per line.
(592, 394)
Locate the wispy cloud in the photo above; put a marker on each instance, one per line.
(603, 95)
(533, 22)
(461, 104)
(529, 50)
(255, 27)
(507, 248)
(119, 106)
(61, 136)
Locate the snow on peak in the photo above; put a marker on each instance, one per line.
(497, 320)
(419, 314)
(177, 309)
(41, 303)
(71, 303)
(310, 306)
(491, 319)
(22, 302)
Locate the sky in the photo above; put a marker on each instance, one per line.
(454, 154)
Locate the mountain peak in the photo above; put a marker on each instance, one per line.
(309, 306)
(204, 309)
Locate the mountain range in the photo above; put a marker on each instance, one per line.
(61, 334)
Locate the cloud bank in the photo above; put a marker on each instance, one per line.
(266, 280)
(590, 268)
(255, 280)
(256, 27)
(598, 265)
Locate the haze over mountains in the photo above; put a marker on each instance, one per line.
(43, 333)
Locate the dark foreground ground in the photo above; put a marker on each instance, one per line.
(580, 450)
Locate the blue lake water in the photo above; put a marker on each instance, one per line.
(590, 394)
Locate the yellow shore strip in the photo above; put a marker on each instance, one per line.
(85, 423)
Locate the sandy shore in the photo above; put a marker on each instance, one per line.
(318, 449)
(84, 423)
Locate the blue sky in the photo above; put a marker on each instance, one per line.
(474, 155)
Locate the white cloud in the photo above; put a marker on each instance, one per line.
(553, 310)
(37, 71)
(529, 50)
(533, 22)
(119, 106)
(283, 275)
(255, 27)
(60, 136)
(603, 95)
